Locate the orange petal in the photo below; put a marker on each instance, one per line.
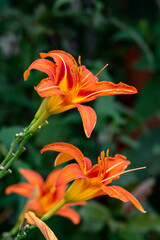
(24, 189)
(46, 231)
(43, 65)
(103, 89)
(61, 158)
(69, 173)
(66, 69)
(89, 118)
(47, 88)
(51, 179)
(88, 163)
(34, 205)
(32, 177)
(68, 149)
(87, 77)
(123, 195)
(70, 214)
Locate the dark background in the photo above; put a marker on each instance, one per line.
(124, 34)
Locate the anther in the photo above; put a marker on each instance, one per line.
(46, 122)
(1, 167)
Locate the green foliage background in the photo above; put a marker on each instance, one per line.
(126, 35)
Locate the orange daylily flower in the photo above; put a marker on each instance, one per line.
(68, 85)
(91, 181)
(35, 221)
(43, 195)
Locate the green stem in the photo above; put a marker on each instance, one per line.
(38, 123)
(13, 144)
(53, 210)
(17, 154)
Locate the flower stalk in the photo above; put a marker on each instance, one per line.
(22, 138)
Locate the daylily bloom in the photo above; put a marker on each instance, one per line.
(43, 195)
(90, 181)
(69, 84)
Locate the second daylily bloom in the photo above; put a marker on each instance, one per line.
(43, 195)
(68, 85)
(90, 181)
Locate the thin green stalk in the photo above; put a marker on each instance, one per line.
(38, 123)
(16, 155)
(53, 210)
(13, 144)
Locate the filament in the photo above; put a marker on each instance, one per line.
(131, 170)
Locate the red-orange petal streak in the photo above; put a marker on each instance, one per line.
(66, 71)
(123, 195)
(89, 118)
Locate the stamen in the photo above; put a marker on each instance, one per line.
(102, 155)
(105, 167)
(94, 76)
(101, 70)
(100, 167)
(114, 166)
(131, 170)
(79, 60)
(107, 153)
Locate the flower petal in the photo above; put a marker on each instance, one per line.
(43, 65)
(35, 205)
(46, 231)
(103, 89)
(67, 74)
(115, 167)
(51, 179)
(69, 173)
(70, 214)
(123, 195)
(47, 88)
(68, 149)
(89, 118)
(32, 177)
(88, 163)
(87, 77)
(24, 189)
(61, 158)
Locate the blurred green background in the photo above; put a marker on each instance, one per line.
(126, 35)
